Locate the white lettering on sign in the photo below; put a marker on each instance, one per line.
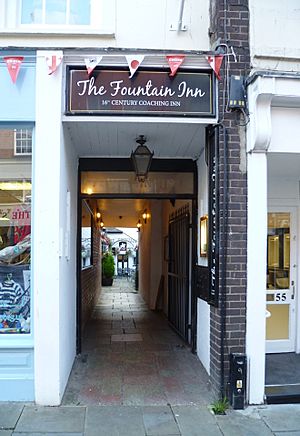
(186, 91)
(88, 87)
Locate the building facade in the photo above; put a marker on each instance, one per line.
(273, 199)
(211, 149)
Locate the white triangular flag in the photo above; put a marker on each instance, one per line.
(91, 63)
(134, 61)
(53, 63)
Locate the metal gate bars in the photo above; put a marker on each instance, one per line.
(178, 271)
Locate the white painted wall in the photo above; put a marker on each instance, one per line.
(122, 23)
(203, 309)
(46, 224)
(54, 271)
(275, 34)
(67, 266)
(256, 275)
(285, 134)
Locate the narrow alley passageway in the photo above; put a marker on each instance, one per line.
(130, 356)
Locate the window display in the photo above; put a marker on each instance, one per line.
(15, 233)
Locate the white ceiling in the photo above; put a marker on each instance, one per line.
(117, 139)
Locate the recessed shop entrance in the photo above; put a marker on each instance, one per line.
(282, 374)
(137, 331)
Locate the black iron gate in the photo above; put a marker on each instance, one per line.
(178, 271)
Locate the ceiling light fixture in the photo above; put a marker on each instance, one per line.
(141, 159)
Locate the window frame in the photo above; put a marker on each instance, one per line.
(95, 10)
(16, 153)
(103, 21)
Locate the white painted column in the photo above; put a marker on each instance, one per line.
(256, 275)
(45, 262)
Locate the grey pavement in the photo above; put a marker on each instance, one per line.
(27, 419)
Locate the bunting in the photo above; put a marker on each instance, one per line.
(13, 64)
(215, 62)
(174, 63)
(53, 62)
(134, 62)
(91, 63)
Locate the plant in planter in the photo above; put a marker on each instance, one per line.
(108, 269)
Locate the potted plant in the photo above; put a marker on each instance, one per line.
(108, 269)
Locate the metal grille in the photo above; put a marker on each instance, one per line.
(178, 272)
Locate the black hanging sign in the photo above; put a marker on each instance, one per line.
(213, 217)
(149, 92)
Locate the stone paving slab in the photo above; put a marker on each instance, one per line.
(275, 417)
(196, 421)
(114, 421)
(288, 433)
(51, 419)
(47, 434)
(127, 338)
(159, 421)
(9, 415)
(235, 424)
(5, 432)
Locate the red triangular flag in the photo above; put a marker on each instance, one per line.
(91, 63)
(53, 63)
(174, 63)
(215, 62)
(13, 64)
(134, 62)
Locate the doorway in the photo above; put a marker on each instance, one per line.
(281, 280)
(282, 379)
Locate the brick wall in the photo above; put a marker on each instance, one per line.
(6, 144)
(230, 26)
(91, 281)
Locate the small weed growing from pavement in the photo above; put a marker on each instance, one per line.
(220, 406)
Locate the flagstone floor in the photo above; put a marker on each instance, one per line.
(131, 356)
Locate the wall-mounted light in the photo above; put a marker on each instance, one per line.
(101, 223)
(89, 191)
(139, 225)
(98, 214)
(141, 159)
(146, 215)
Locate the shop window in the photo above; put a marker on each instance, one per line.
(53, 12)
(15, 237)
(86, 236)
(23, 141)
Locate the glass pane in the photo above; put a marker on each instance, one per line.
(126, 183)
(278, 258)
(31, 11)
(86, 236)
(15, 236)
(278, 321)
(56, 11)
(80, 12)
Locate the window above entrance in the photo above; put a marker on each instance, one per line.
(123, 182)
(58, 16)
(63, 12)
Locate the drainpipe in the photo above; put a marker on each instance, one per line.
(180, 27)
